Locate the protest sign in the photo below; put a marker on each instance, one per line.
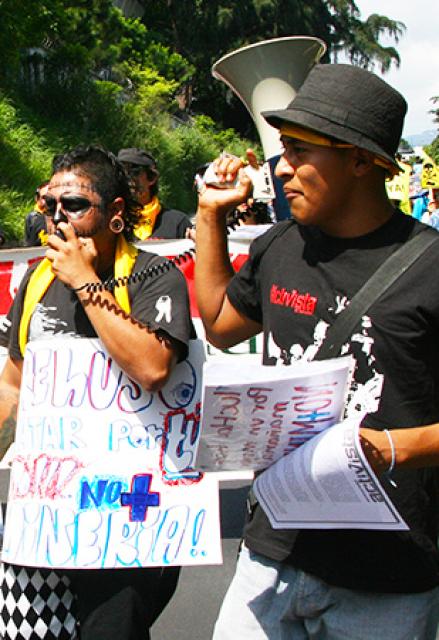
(326, 484)
(254, 414)
(398, 188)
(430, 173)
(102, 473)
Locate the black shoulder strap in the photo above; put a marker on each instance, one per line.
(383, 278)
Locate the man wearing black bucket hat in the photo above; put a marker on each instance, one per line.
(340, 136)
(156, 221)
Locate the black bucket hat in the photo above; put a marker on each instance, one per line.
(350, 104)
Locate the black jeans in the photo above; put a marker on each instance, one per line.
(121, 604)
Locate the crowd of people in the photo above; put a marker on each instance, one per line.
(340, 137)
(155, 221)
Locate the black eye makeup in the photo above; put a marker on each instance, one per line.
(74, 207)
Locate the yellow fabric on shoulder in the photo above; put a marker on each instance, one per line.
(39, 282)
(145, 226)
(126, 254)
(43, 236)
(43, 276)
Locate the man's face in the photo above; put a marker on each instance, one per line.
(73, 198)
(315, 182)
(141, 184)
(42, 193)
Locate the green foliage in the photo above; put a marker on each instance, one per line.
(433, 148)
(24, 163)
(361, 40)
(13, 210)
(217, 27)
(185, 148)
(24, 156)
(26, 151)
(78, 72)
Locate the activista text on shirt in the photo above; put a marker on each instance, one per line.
(299, 302)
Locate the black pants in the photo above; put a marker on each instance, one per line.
(121, 603)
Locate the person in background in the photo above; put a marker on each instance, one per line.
(340, 135)
(91, 205)
(431, 216)
(419, 204)
(250, 213)
(37, 227)
(156, 221)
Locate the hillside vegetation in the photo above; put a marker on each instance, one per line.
(80, 72)
(28, 143)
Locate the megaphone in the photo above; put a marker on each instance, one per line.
(266, 76)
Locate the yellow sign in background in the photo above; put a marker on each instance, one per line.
(430, 174)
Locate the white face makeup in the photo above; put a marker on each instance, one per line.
(72, 198)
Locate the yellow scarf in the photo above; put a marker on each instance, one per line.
(43, 236)
(43, 276)
(145, 227)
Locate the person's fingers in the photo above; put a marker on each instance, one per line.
(227, 166)
(252, 159)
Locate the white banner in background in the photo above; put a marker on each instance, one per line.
(102, 474)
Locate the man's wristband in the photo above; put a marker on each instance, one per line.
(81, 288)
(391, 468)
(88, 286)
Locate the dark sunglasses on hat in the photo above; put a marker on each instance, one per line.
(74, 207)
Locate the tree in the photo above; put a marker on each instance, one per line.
(59, 48)
(361, 40)
(216, 27)
(433, 148)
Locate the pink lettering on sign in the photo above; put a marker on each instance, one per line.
(43, 477)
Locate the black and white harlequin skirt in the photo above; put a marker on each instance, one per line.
(35, 604)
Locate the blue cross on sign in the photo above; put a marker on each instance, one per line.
(140, 497)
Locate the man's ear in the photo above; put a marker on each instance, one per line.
(115, 213)
(152, 179)
(363, 161)
(116, 207)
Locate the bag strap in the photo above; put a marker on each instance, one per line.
(380, 281)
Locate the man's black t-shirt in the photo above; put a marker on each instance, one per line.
(161, 302)
(171, 223)
(35, 228)
(296, 282)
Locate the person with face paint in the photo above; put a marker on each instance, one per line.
(90, 204)
(37, 226)
(156, 221)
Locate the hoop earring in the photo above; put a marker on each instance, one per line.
(116, 224)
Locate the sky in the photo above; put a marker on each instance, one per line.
(417, 78)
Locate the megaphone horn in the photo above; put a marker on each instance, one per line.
(266, 76)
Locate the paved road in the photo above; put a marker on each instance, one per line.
(192, 612)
